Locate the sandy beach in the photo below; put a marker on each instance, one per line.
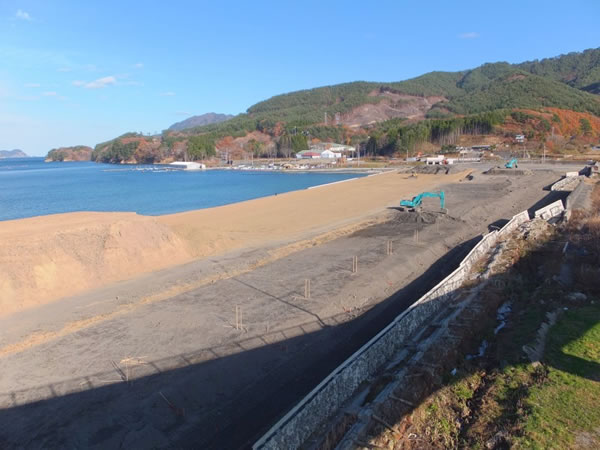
(50, 257)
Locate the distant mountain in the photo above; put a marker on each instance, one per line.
(13, 154)
(198, 121)
(76, 153)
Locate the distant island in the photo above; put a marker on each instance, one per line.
(198, 121)
(13, 154)
(76, 153)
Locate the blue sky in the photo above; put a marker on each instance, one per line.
(81, 72)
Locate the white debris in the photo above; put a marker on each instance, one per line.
(577, 296)
(504, 310)
(481, 352)
(453, 371)
(501, 315)
(499, 327)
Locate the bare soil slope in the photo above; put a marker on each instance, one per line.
(394, 105)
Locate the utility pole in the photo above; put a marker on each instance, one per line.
(544, 158)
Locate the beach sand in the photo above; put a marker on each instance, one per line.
(50, 257)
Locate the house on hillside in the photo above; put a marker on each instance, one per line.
(330, 154)
(307, 154)
(316, 154)
(332, 146)
(519, 138)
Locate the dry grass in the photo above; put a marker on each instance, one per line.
(596, 199)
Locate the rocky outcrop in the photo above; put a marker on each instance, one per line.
(77, 153)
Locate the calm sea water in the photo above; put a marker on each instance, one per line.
(30, 187)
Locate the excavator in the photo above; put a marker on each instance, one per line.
(415, 203)
(513, 163)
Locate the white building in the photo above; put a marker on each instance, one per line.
(434, 160)
(330, 154)
(188, 165)
(332, 146)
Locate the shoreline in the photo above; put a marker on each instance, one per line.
(45, 258)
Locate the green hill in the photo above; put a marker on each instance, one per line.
(580, 70)
(568, 82)
(456, 100)
(501, 85)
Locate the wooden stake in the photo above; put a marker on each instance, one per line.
(401, 400)
(354, 264)
(383, 422)
(390, 248)
(239, 318)
(307, 288)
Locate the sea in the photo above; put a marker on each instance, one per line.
(31, 187)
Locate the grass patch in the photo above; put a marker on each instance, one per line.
(566, 408)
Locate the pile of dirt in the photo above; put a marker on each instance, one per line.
(436, 169)
(504, 171)
(44, 259)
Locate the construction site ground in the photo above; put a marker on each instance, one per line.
(511, 363)
(215, 366)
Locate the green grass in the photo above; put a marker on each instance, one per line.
(567, 404)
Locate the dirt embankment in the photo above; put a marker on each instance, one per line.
(46, 258)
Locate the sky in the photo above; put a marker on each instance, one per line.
(83, 72)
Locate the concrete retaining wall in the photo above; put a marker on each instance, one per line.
(324, 400)
(567, 183)
(573, 196)
(514, 223)
(482, 246)
(550, 211)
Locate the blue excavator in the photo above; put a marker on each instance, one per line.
(415, 203)
(512, 164)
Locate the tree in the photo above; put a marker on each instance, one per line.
(200, 147)
(585, 126)
(284, 145)
(371, 148)
(299, 142)
(255, 147)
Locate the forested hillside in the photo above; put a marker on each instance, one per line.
(396, 115)
(197, 121)
(579, 70)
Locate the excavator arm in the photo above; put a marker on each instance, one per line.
(418, 199)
